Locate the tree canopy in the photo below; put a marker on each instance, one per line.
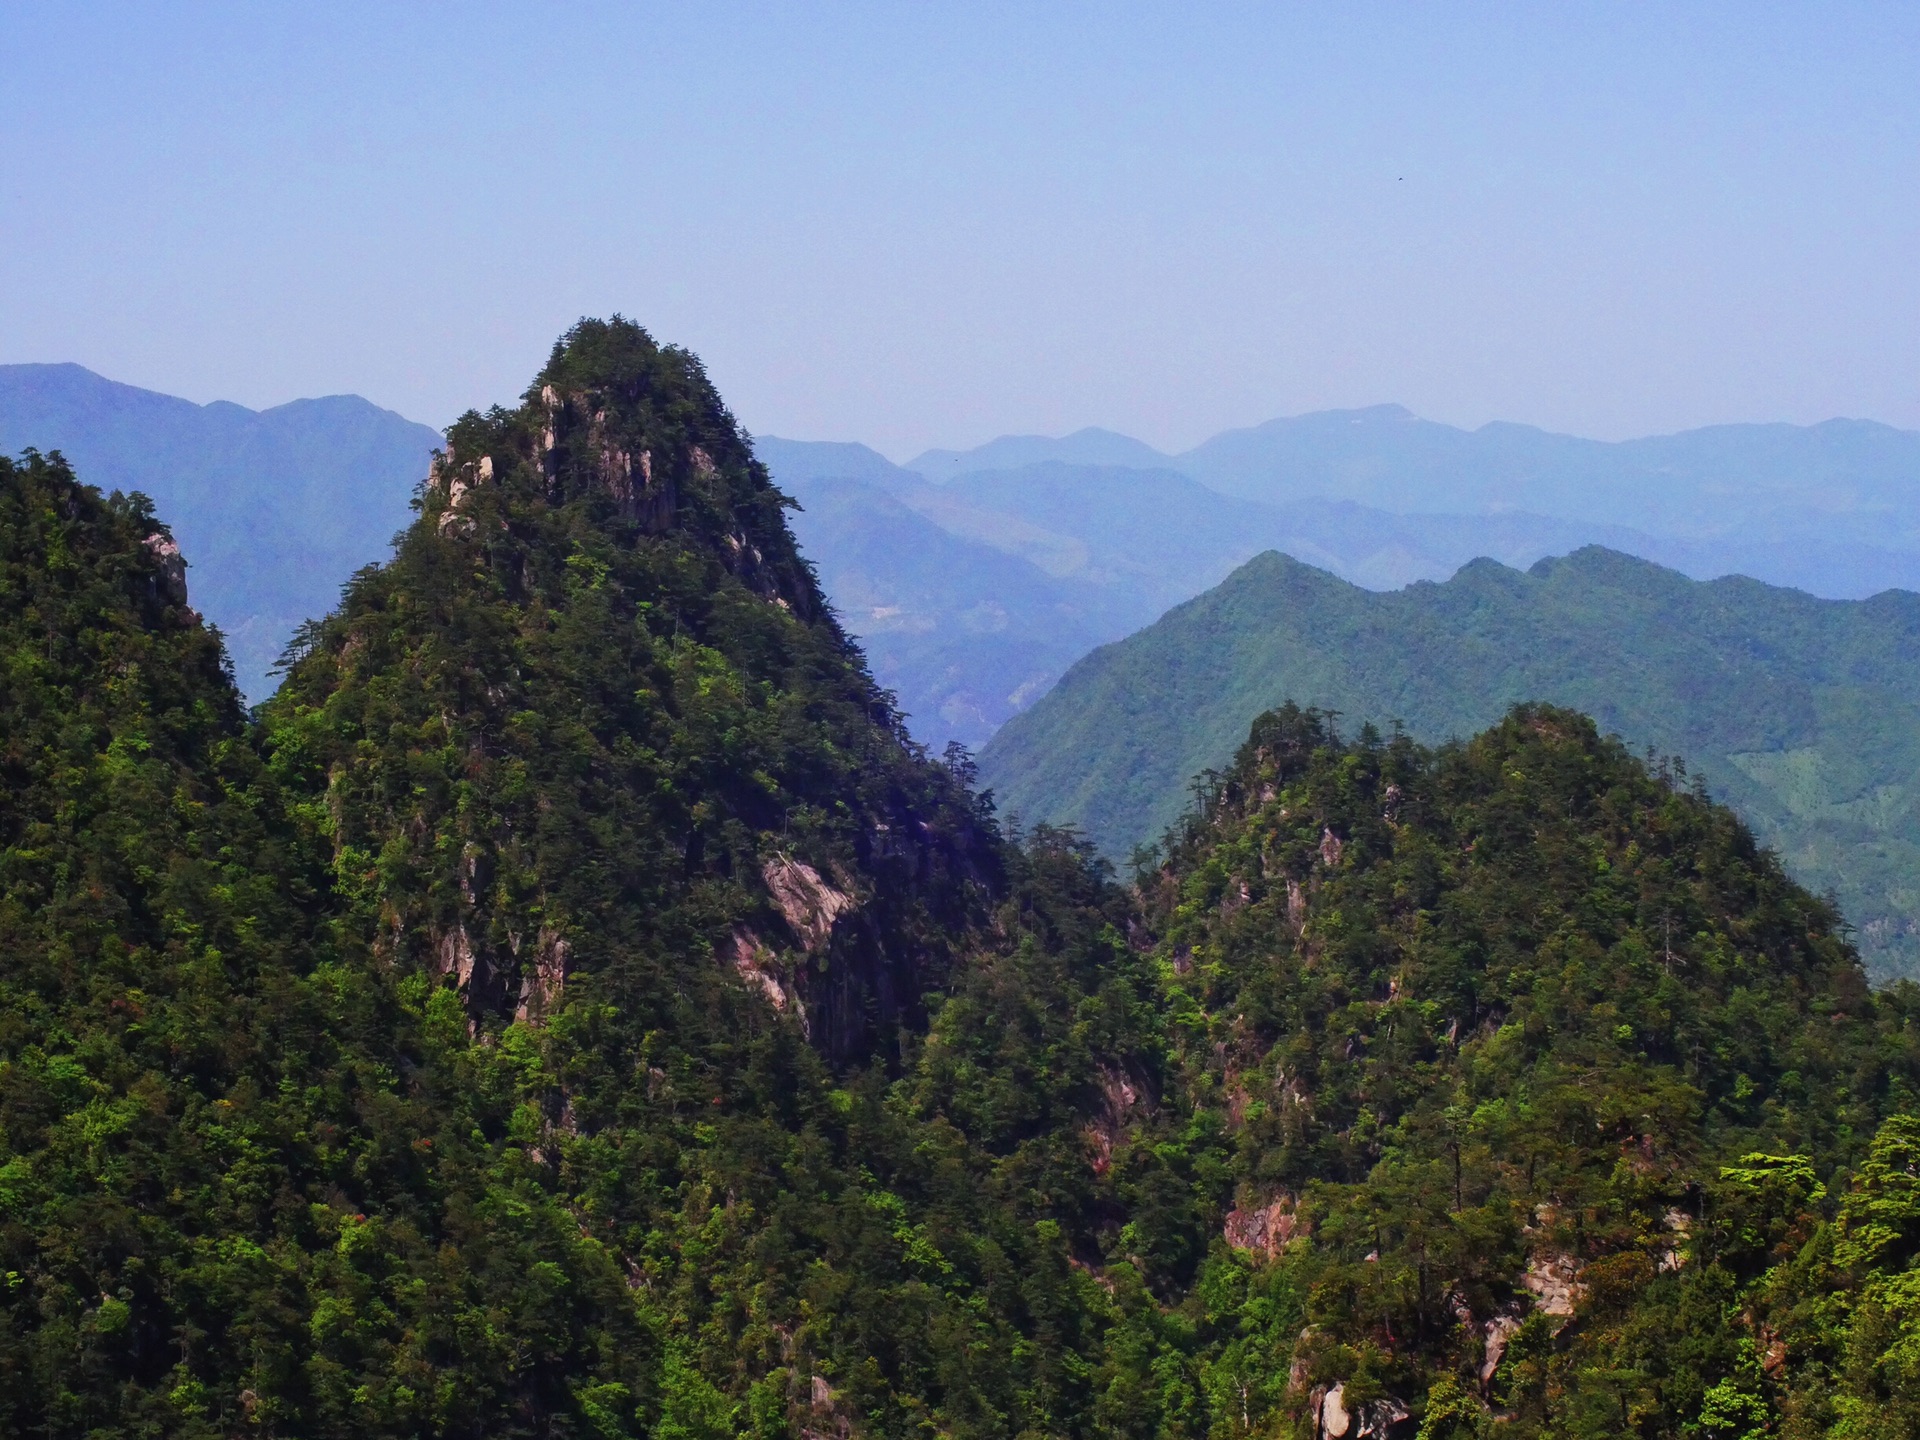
(574, 1007)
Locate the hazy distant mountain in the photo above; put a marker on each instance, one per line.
(795, 462)
(1113, 545)
(974, 596)
(274, 509)
(1852, 481)
(1832, 508)
(1802, 713)
(963, 634)
(1091, 446)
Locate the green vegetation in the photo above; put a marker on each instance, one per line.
(573, 1007)
(1802, 714)
(1553, 1079)
(274, 507)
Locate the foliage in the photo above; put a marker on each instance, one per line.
(574, 1007)
(1802, 714)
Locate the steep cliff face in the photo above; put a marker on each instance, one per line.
(595, 719)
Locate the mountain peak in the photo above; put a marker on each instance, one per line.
(605, 573)
(639, 431)
(1089, 446)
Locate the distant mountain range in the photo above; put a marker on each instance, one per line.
(1804, 714)
(274, 509)
(1850, 480)
(1050, 546)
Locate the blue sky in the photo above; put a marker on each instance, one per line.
(922, 224)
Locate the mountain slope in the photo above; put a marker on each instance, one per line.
(525, 1026)
(273, 508)
(245, 1180)
(498, 1043)
(605, 574)
(1526, 1074)
(1800, 712)
(593, 761)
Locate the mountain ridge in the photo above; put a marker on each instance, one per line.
(1793, 707)
(572, 1005)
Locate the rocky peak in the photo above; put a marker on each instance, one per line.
(636, 430)
(605, 572)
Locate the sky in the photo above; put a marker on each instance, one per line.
(929, 224)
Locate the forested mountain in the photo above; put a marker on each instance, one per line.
(1803, 714)
(496, 1039)
(275, 508)
(573, 1007)
(1525, 1068)
(1115, 531)
(973, 597)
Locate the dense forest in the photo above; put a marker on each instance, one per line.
(1802, 714)
(574, 1007)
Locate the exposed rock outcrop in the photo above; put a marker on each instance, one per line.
(456, 956)
(808, 903)
(1263, 1230)
(1332, 847)
(1119, 1097)
(173, 568)
(1334, 1419)
(544, 979)
(760, 969)
(1554, 1279)
(1494, 1335)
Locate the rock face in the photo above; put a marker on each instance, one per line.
(1554, 1279)
(544, 981)
(1331, 849)
(1120, 1098)
(173, 567)
(809, 905)
(1263, 1230)
(1382, 1419)
(1497, 1332)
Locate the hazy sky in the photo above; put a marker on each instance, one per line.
(920, 224)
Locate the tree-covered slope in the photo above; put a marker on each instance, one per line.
(596, 705)
(275, 508)
(246, 1186)
(522, 1033)
(572, 1007)
(1802, 713)
(1533, 1085)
